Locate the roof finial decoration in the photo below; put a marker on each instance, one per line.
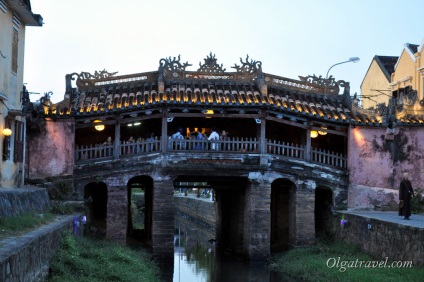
(248, 67)
(173, 65)
(210, 65)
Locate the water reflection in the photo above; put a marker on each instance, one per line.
(197, 258)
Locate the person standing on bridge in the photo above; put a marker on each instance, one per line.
(405, 194)
(214, 136)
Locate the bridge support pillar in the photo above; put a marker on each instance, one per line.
(116, 223)
(257, 222)
(304, 217)
(163, 220)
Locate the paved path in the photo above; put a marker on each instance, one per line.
(417, 220)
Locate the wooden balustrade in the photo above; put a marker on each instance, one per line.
(239, 145)
(329, 158)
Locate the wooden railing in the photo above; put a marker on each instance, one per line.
(282, 148)
(243, 145)
(329, 158)
(239, 145)
(142, 147)
(94, 151)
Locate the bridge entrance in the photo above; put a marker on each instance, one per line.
(140, 199)
(283, 211)
(95, 198)
(323, 211)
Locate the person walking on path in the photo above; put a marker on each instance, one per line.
(405, 194)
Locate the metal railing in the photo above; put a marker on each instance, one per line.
(234, 145)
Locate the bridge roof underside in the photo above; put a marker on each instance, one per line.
(211, 87)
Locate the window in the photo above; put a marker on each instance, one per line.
(18, 150)
(15, 51)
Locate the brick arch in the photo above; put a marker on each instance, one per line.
(283, 214)
(140, 208)
(324, 210)
(95, 201)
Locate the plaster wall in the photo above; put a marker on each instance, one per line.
(404, 68)
(374, 79)
(11, 85)
(377, 161)
(51, 151)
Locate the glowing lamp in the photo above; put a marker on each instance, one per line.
(209, 112)
(314, 134)
(98, 126)
(323, 132)
(7, 132)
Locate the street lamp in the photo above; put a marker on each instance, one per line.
(353, 60)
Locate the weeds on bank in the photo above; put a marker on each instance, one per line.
(17, 225)
(85, 259)
(318, 263)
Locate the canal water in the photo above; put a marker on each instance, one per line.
(198, 258)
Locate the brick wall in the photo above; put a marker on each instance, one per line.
(382, 239)
(201, 212)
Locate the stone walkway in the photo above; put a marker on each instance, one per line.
(417, 220)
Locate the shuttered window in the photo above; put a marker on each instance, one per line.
(18, 150)
(15, 51)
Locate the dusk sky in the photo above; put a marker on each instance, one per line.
(290, 38)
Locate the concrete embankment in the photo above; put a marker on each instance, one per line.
(384, 234)
(27, 258)
(23, 200)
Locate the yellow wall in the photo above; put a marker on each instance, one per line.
(375, 79)
(10, 86)
(405, 67)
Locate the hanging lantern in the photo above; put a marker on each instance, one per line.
(98, 126)
(314, 134)
(323, 132)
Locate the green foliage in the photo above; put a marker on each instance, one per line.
(58, 208)
(60, 190)
(310, 264)
(417, 202)
(85, 259)
(14, 226)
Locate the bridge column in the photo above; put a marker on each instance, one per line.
(163, 219)
(257, 221)
(304, 231)
(117, 212)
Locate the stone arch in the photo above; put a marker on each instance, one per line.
(324, 209)
(95, 199)
(140, 208)
(283, 214)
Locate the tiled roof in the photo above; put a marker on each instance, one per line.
(209, 87)
(387, 64)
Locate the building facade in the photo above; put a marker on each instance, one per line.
(15, 16)
(401, 77)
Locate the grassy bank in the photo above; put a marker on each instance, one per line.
(85, 259)
(21, 224)
(341, 262)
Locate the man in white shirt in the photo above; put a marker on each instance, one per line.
(214, 136)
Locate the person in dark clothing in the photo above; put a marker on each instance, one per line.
(405, 194)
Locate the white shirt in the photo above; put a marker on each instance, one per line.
(214, 136)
